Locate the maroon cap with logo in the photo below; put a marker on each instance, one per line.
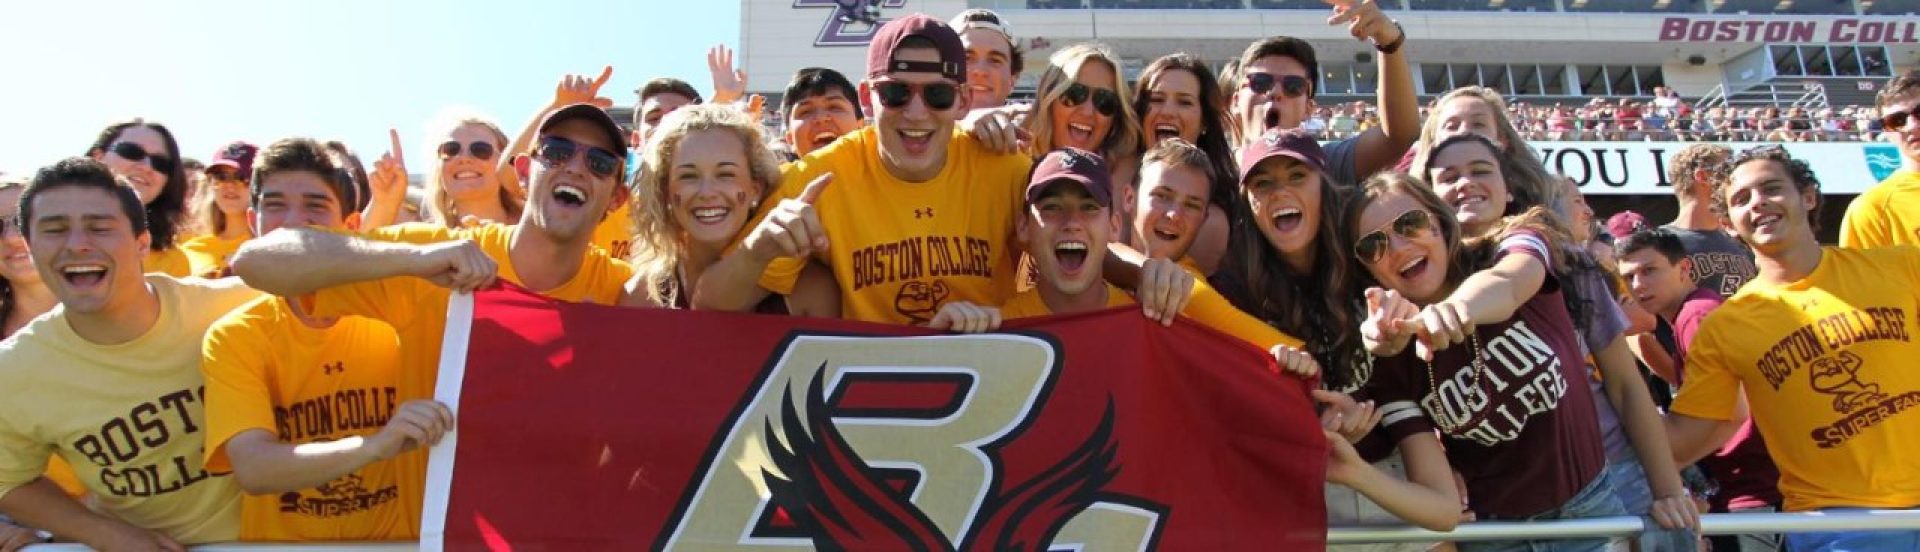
(1625, 223)
(953, 56)
(1075, 165)
(1294, 143)
(238, 156)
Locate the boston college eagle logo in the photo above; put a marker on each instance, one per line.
(897, 444)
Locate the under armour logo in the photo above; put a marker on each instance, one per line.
(332, 368)
(923, 213)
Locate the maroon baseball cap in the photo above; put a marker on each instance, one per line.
(1075, 165)
(1625, 223)
(238, 156)
(953, 56)
(1295, 143)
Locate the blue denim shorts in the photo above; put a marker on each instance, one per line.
(1629, 481)
(1853, 541)
(1596, 500)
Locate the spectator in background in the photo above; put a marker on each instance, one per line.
(820, 106)
(1345, 122)
(464, 186)
(1174, 98)
(994, 63)
(144, 154)
(658, 97)
(1867, 122)
(1562, 125)
(1317, 124)
(345, 157)
(222, 211)
(1629, 122)
(195, 170)
(1889, 213)
(23, 295)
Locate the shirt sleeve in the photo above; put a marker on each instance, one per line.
(1863, 226)
(234, 359)
(781, 274)
(1212, 310)
(22, 458)
(1341, 160)
(1711, 389)
(391, 300)
(1394, 388)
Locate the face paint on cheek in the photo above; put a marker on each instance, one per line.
(675, 199)
(740, 197)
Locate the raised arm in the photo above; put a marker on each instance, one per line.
(291, 262)
(1381, 147)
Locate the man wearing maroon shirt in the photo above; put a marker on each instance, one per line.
(1658, 270)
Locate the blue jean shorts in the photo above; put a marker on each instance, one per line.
(1596, 500)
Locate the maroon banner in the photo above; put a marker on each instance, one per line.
(586, 427)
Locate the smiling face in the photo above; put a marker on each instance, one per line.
(230, 192)
(1907, 139)
(1262, 112)
(1468, 115)
(1284, 196)
(648, 116)
(1083, 126)
(1416, 265)
(16, 261)
(1467, 176)
(147, 182)
(467, 178)
(913, 137)
(567, 200)
(989, 67)
(710, 187)
(1765, 209)
(1173, 107)
(1065, 233)
(820, 119)
(1171, 206)
(86, 250)
(294, 199)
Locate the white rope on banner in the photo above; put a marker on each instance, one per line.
(1711, 524)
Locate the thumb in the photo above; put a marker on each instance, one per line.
(602, 103)
(1331, 398)
(813, 190)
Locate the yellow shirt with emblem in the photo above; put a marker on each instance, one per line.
(128, 417)
(1828, 365)
(1888, 214)
(267, 370)
(172, 262)
(1205, 306)
(417, 310)
(615, 233)
(207, 255)
(899, 250)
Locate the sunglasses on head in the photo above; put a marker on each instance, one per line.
(133, 152)
(479, 150)
(939, 96)
(555, 151)
(1373, 245)
(1896, 121)
(1106, 101)
(1292, 86)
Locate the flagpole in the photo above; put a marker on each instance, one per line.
(453, 374)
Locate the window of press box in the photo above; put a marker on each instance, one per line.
(1483, 5)
(1635, 6)
(1830, 61)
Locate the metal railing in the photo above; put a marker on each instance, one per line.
(1711, 524)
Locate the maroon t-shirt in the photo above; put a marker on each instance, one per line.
(1526, 438)
(1742, 468)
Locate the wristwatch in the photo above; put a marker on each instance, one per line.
(1392, 47)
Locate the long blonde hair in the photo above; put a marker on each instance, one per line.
(1519, 161)
(438, 206)
(1123, 138)
(660, 246)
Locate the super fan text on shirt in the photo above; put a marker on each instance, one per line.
(1521, 378)
(922, 257)
(151, 424)
(1831, 370)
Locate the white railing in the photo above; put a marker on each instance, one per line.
(1711, 524)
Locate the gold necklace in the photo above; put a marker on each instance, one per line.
(1478, 367)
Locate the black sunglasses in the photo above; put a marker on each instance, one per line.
(133, 152)
(555, 151)
(1373, 245)
(1292, 86)
(1896, 121)
(479, 150)
(940, 96)
(1106, 101)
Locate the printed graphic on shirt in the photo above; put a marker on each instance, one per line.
(345, 496)
(1818, 349)
(1733, 270)
(919, 301)
(1515, 376)
(149, 425)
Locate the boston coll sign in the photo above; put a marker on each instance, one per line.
(1839, 30)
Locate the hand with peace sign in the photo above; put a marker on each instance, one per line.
(793, 228)
(1364, 21)
(575, 89)
(729, 84)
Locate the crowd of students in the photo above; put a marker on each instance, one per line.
(263, 368)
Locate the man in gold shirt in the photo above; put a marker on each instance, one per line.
(1889, 213)
(114, 374)
(1821, 344)
(405, 275)
(303, 410)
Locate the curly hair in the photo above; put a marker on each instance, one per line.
(1694, 158)
(1797, 171)
(1901, 87)
(1517, 160)
(659, 247)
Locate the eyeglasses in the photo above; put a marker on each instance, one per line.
(133, 152)
(479, 150)
(1106, 101)
(1373, 245)
(555, 151)
(1896, 121)
(940, 96)
(1292, 86)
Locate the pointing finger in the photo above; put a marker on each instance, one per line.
(605, 73)
(393, 138)
(813, 190)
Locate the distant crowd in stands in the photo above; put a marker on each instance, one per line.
(1666, 117)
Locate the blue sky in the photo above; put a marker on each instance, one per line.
(219, 70)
